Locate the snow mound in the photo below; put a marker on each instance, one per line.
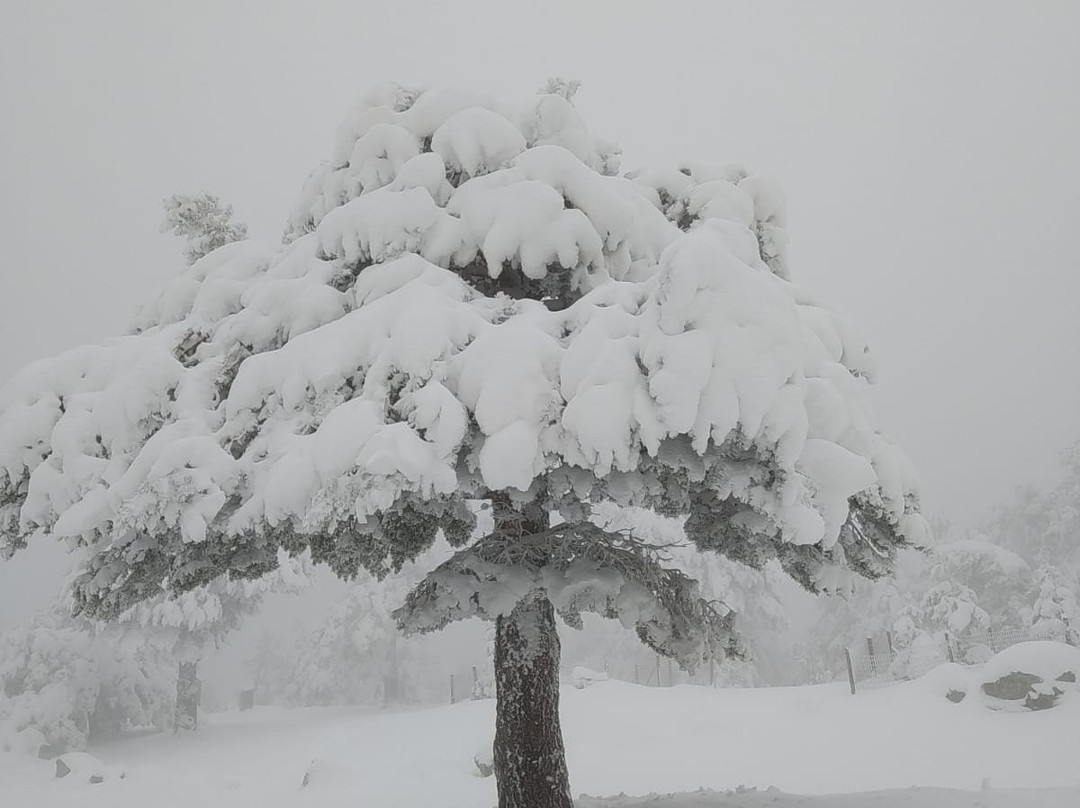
(1030, 676)
(898, 798)
(581, 677)
(80, 767)
(949, 681)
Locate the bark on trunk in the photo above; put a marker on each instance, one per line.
(188, 695)
(530, 762)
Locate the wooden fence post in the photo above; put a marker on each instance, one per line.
(850, 670)
(658, 670)
(870, 651)
(453, 699)
(948, 648)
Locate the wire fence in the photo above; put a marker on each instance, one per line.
(876, 663)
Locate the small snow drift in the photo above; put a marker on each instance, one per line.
(325, 773)
(950, 681)
(897, 798)
(582, 678)
(83, 768)
(484, 760)
(1030, 676)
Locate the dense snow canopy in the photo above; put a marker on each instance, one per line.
(470, 299)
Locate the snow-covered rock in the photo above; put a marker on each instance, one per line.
(85, 768)
(1030, 676)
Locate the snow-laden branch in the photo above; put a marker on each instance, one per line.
(582, 568)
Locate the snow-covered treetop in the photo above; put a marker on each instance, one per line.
(203, 221)
(470, 300)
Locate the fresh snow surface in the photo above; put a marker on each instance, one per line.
(907, 744)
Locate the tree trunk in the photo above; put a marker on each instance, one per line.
(530, 762)
(188, 696)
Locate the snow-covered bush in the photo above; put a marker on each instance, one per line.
(999, 581)
(65, 681)
(964, 586)
(954, 608)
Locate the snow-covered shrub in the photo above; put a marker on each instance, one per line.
(999, 580)
(64, 681)
(891, 606)
(953, 608)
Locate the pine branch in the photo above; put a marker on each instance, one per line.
(584, 568)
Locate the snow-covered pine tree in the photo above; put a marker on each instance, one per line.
(1057, 605)
(472, 305)
(187, 623)
(66, 680)
(203, 221)
(1000, 581)
(356, 655)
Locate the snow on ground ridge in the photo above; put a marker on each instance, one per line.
(905, 747)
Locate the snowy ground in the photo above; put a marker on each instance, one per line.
(621, 738)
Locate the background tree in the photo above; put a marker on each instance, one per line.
(356, 655)
(1000, 581)
(189, 623)
(1043, 526)
(203, 221)
(1057, 603)
(474, 313)
(65, 681)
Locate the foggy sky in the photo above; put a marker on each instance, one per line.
(928, 151)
